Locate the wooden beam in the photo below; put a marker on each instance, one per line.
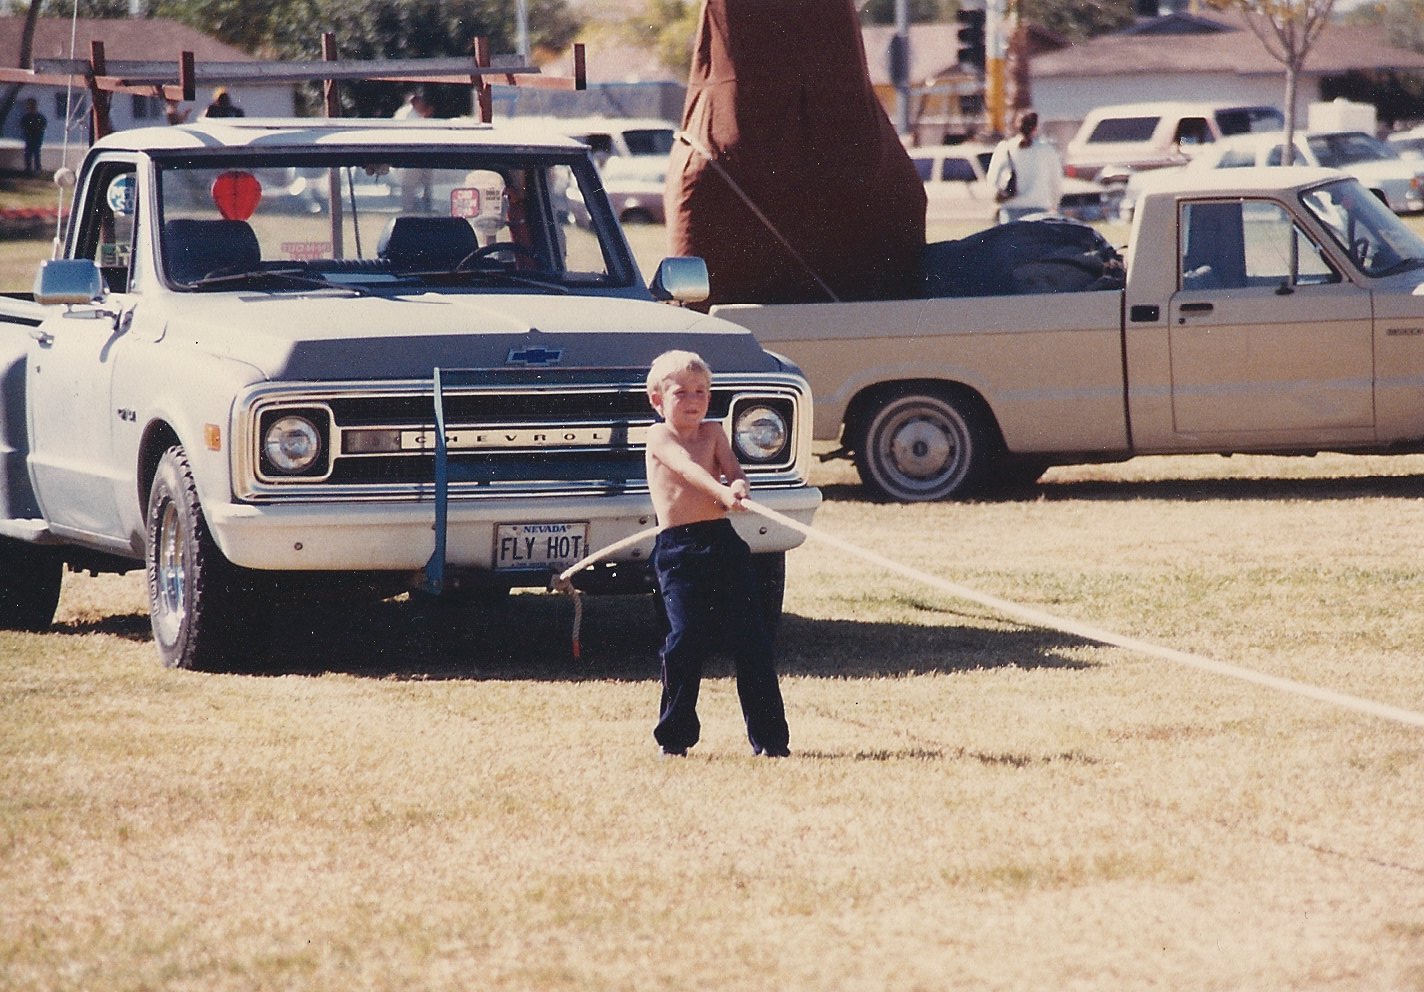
(187, 76)
(108, 84)
(98, 98)
(332, 105)
(148, 73)
(483, 98)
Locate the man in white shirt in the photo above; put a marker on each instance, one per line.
(1037, 170)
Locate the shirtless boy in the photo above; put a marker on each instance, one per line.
(704, 569)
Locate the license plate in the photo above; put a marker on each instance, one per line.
(541, 546)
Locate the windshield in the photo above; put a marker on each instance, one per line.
(1337, 150)
(1249, 120)
(1375, 239)
(649, 141)
(365, 218)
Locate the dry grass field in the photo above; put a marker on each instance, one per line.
(970, 804)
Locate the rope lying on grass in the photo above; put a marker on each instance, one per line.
(1038, 618)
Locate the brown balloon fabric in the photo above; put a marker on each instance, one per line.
(795, 187)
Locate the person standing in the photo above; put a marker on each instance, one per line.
(416, 106)
(1026, 172)
(222, 105)
(33, 125)
(709, 589)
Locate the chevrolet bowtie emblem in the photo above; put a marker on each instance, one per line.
(534, 356)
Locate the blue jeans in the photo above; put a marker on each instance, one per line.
(711, 597)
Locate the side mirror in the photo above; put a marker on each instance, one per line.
(681, 279)
(69, 281)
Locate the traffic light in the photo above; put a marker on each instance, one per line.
(971, 37)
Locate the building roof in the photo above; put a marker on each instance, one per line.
(133, 39)
(1232, 48)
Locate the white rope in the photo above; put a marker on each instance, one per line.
(603, 553)
(1029, 615)
(1040, 618)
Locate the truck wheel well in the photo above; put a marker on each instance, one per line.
(870, 399)
(157, 439)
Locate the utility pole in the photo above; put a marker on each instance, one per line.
(996, 43)
(521, 8)
(900, 66)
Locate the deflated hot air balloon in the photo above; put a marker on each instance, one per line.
(790, 180)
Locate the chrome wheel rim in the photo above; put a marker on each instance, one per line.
(170, 570)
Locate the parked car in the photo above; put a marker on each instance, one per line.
(634, 184)
(1115, 141)
(1409, 144)
(615, 137)
(957, 188)
(1396, 180)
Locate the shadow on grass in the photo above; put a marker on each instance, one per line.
(127, 626)
(1189, 490)
(531, 639)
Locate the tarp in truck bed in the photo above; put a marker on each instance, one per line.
(780, 97)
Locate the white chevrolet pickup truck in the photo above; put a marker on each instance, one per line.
(1263, 310)
(360, 357)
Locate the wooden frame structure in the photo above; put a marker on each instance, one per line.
(102, 78)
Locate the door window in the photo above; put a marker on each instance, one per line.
(1240, 244)
(107, 230)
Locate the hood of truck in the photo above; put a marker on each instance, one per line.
(325, 336)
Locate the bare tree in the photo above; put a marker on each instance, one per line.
(1288, 29)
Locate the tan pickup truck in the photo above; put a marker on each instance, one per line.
(1264, 310)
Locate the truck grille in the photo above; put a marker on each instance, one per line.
(501, 441)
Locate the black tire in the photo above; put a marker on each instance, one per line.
(770, 569)
(202, 607)
(918, 447)
(30, 577)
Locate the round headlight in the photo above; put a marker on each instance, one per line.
(760, 432)
(292, 444)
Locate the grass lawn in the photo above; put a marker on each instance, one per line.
(970, 804)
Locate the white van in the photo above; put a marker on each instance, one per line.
(1115, 141)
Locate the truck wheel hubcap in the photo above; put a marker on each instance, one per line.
(170, 578)
(921, 448)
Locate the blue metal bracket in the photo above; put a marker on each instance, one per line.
(435, 567)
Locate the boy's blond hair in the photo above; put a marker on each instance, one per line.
(670, 363)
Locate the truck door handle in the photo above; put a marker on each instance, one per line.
(43, 337)
(1192, 308)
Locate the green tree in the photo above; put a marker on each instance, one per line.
(1077, 20)
(666, 28)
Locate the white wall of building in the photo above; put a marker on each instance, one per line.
(1062, 103)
